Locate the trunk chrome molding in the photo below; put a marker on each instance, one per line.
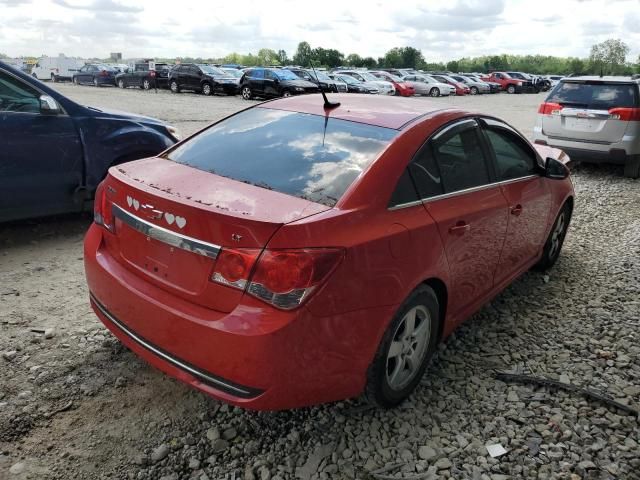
(205, 377)
(166, 236)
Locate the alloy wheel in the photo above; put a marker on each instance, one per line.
(557, 235)
(146, 85)
(174, 87)
(408, 347)
(286, 93)
(206, 89)
(435, 92)
(121, 83)
(246, 93)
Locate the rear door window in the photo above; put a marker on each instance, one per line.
(595, 95)
(298, 154)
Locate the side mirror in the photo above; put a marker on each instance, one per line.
(48, 106)
(555, 169)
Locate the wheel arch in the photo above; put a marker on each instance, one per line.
(442, 294)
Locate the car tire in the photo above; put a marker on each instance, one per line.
(434, 92)
(54, 79)
(474, 91)
(95, 82)
(286, 93)
(511, 89)
(121, 83)
(74, 80)
(207, 89)
(246, 93)
(146, 84)
(632, 167)
(555, 240)
(174, 87)
(404, 352)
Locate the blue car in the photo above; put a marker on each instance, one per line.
(54, 152)
(95, 74)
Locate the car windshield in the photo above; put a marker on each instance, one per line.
(308, 156)
(595, 95)
(320, 76)
(368, 76)
(348, 79)
(516, 75)
(105, 67)
(234, 72)
(213, 70)
(285, 75)
(393, 78)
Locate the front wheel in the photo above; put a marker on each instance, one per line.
(146, 84)
(555, 240)
(207, 89)
(405, 350)
(246, 93)
(121, 83)
(54, 79)
(474, 90)
(434, 92)
(173, 86)
(95, 82)
(286, 93)
(75, 80)
(511, 89)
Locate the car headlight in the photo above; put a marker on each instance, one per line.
(519, 84)
(299, 89)
(174, 132)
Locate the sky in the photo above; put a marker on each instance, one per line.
(443, 29)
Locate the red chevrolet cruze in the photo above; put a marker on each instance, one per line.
(293, 254)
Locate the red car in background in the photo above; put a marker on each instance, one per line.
(402, 88)
(461, 88)
(293, 254)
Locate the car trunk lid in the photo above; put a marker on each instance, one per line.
(170, 222)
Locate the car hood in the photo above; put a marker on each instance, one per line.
(383, 84)
(108, 113)
(298, 83)
(369, 85)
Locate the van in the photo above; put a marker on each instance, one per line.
(56, 68)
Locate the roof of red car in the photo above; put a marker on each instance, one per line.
(379, 110)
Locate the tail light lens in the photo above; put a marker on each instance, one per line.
(102, 214)
(549, 108)
(625, 114)
(282, 278)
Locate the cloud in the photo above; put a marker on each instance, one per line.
(14, 3)
(98, 6)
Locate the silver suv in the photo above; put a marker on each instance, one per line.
(594, 119)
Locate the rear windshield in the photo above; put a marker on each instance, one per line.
(294, 153)
(594, 95)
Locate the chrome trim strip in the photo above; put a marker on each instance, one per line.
(224, 385)
(166, 236)
(461, 192)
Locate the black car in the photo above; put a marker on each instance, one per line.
(320, 78)
(273, 82)
(96, 74)
(201, 78)
(54, 152)
(141, 76)
(353, 85)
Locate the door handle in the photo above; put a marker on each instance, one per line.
(517, 210)
(459, 228)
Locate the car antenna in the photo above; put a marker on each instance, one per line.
(327, 104)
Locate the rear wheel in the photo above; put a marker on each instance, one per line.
(434, 92)
(121, 83)
(286, 93)
(146, 84)
(554, 242)
(247, 94)
(474, 90)
(54, 79)
(511, 89)
(173, 86)
(75, 80)
(632, 167)
(95, 82)
(405, 350)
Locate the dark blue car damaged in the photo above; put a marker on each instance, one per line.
(51, 162)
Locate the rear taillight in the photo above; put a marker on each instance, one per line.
(102, 214)
(549, 108)
(625, 114)
(283, 278)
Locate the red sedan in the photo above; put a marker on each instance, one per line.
(402, 88)
(290, 254)
(461, 88)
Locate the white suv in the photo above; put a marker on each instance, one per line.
(594, 119)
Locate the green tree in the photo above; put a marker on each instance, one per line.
(392, 59)
(327, 57)
(282, 57)
(266, 56)
(609, 56)
(354, 60)
(453, 66)
(303, 54)
(411, 57)
(575, 66)
(369, 62)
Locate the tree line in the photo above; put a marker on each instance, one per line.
(608, 58)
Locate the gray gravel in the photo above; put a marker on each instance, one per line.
(76, 404)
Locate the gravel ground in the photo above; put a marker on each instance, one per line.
(75, 404)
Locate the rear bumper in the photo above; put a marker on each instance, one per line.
(254, 357)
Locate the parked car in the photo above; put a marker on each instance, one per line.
(537, 84)
(494, 87)
(461, 88)
(595, 119)
(272, 291)
(554, 79)
(54, 152)
(355, 86)
(118, 67)
(96, 74)
(321, 79)
(140, 76)
(403, 89)
(272, 82)
(56, 69)
(426, 85)
(201, 78)
(234, 72)
(476, 87)
(384, 87)
(507, 83)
